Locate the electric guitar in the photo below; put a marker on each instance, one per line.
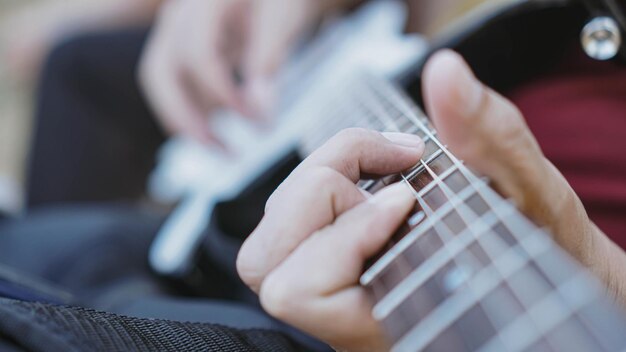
(372, 39)
(467, 271)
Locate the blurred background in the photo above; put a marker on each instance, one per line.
(14, 114)
(29, 27)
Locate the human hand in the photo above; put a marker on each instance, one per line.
(306, 256)
(198, 47)
(490, 134)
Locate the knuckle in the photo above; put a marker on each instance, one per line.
(353, 138)
(248, 269)
(277, 297)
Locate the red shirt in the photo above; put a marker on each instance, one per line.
(578, 114)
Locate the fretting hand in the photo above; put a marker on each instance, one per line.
(306, 256)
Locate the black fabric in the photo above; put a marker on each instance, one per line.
(510, 46)
(42, 327)
(95, 138)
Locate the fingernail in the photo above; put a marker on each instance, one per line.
(404, 139)
(394, 195)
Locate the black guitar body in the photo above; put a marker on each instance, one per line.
(513, 45)
(509, 47)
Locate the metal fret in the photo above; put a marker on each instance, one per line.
(462, 250)
(428, 269)
(409, 239)
(452, 309)
(549, 313)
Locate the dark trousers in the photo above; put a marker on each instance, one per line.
(95, 142)
(95, 138)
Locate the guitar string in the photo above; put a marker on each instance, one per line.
(477, 270)
(468, 216)
(449, 195)
(386, 123)
(490, 197)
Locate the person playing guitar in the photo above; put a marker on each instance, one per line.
(307, 256)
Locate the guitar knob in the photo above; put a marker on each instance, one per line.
(601, 38)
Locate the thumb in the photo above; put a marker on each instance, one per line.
(489, 133)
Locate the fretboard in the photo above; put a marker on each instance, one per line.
(467, 271)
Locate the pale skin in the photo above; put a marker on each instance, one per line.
(305, 257)
(198, 47)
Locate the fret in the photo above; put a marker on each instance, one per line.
(548, 314)
(419, 167)
(451, 310)
(373, 186)
(433, 262)
(571, 336)
(468, 214)
(392, 254)
(604, 321)
(466, 254)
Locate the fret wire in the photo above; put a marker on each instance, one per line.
(430, 186)
(475, 236)
(447, 313)
(410, 238)
(486, 197)
(468, 218)
(464, 171)
(466, 214)
(420, 168)
(489, 198)
(548, 321)
(427, 270)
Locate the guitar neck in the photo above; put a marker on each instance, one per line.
(467, 270)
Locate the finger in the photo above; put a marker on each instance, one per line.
(357, 152)
(318, 191)
(313, 202)
(490, 134)
(318, 279)
(168, 95)
(275, 27)
(207, 62)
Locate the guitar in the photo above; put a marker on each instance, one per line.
(203, 177)
(467, 271)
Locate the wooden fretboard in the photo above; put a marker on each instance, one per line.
(467, 271)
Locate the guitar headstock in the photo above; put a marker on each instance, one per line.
(603, 36)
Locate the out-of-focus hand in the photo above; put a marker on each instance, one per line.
(306, 256)
(199, 47)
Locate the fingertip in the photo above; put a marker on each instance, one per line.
(450, 86)
(398, 195)
(405, 140)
